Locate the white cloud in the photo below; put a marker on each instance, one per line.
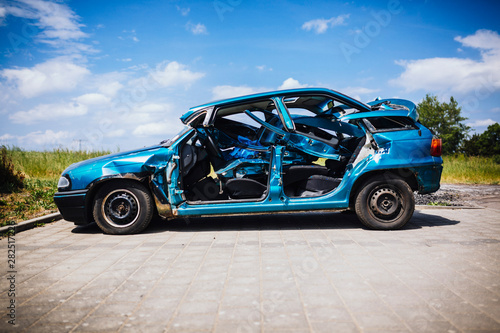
(175, 74)
(222, 92)
(110, 88)
(460, 75)
(6, 139)
(291, 83)
(3, 13)
(93, 99)
(184, 11)
(130, 34)
(156, 129)
(152, 108)
(197, 29)
(495, 109)
(357, 92)
(57, 74)
(264, 68)
(48, 112)
(115, 134)
(481, 123)
(56, 20)
(320, 26)
(47, 138)
(482, 39)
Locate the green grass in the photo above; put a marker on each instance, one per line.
(48, 165)
(462, 169)
(41, 171)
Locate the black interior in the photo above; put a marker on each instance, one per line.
(301, 178)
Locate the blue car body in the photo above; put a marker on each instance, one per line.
(293, 150)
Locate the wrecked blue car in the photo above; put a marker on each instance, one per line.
(297, 150)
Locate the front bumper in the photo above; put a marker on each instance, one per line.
(72, 206)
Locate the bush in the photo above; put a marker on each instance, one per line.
(12, 180)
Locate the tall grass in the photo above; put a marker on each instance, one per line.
(460, 169)
(48, 165)
(40, 172)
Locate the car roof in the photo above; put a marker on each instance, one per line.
(279, 93)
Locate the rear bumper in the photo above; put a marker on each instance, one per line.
(428, 178)
(72, 206)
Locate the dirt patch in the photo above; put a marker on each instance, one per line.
(461, 195)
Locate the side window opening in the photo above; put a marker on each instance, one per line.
(316, 117)
(238, 155)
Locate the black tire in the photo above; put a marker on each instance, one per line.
(123, 207)
(385, 203)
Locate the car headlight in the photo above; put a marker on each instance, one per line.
(63, 183)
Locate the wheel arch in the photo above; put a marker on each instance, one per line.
(95, 186)
(404, 173)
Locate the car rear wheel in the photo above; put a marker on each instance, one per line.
(385, 203)
(123, 207)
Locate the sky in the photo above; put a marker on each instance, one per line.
(117, 75)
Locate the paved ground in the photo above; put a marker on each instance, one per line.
(295, 273)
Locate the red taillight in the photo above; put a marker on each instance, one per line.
(436, 147)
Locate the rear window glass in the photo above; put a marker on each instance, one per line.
(390, 123)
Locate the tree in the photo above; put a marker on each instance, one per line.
(445, 120)
(484, 144)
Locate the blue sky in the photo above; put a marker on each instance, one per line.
(118, 74)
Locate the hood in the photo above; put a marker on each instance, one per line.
(138, 156)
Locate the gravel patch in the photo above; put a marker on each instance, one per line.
(459, 195)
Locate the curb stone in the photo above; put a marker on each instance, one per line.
(29, 224)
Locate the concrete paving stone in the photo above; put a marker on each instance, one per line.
(231, 327)
(58, 316)
(51, 328)
(474, 320)
(249, 314)
(281, 304)
(203, 296)
(326, 314)
(79, 302)
(379, 321)
(337, 327)
(320, 300)
(291, 320)
(238, 301)
(160, 315)
(100, 324)
(242, 289)
(143, 327)
(123, 309)
(154, 302)
(199, 323)
(195, 308)
(428, 326)
(435, 276)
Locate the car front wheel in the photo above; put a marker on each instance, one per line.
(385, 203)
(123, 207)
